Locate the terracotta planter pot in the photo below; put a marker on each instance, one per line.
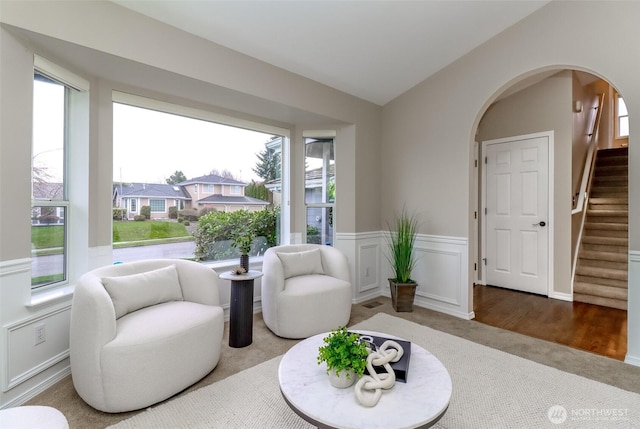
(402, 295)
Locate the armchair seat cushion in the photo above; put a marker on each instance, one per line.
(313, 284)
(160, 350)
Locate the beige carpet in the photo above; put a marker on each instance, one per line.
(491, 389)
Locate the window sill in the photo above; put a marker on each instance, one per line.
(222, 266)
(50, 297)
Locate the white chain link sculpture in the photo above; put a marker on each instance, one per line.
(368, 389)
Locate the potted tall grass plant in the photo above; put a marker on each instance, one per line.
(401, 239)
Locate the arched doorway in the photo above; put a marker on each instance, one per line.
(567, 103)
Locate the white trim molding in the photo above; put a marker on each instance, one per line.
(633, 304)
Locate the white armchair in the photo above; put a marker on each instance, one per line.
(306, 290)
(143, 331)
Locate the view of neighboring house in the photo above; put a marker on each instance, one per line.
(204, 192)
(159, 197)
(220, 193)
(46, 191)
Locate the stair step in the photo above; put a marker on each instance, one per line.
(601, 281)
(598, 300)
(606, 233)
(610, 190)
(609, 241)
(604, 247)
(611, 170)
(608, 212)
(600, 290)
(603, 256)
(612, 161)
(603, 263)
(598, 201)
(607, 226)
(604, 273)
(624, 207)
(622, 179)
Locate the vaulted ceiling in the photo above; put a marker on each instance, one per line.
(375, 50)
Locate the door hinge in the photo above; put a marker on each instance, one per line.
(475, 215)
(484, 260)
(485, 210)
(475, 267)
(476, 163)
(485, 159)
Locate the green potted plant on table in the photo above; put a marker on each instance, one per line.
(243, 242)
(402, 258)
(345, 356)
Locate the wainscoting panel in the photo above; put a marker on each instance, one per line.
(364, 252)
(25, 356)
(369, 261)
(442, 275)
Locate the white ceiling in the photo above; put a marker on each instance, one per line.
(374, 49)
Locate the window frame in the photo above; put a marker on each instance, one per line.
(76, 108)
(619, 117)
(176, 108)
(327, 206)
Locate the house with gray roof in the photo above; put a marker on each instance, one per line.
(220, 193)
(158, 196)
(204, 192)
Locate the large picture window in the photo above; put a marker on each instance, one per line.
(217, 170)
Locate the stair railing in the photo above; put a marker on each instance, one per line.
(585, 185)
(589, 162)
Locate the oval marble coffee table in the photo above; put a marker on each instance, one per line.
(418, 403)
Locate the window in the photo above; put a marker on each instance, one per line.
(50, 202)
(59, 176)
(49, 194)
(622, 116)
(197, 144)
(133, 205)
(319, 190)
(157, 206)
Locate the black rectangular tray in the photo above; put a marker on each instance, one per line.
(401, 368)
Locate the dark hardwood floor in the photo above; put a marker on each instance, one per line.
(596, 329)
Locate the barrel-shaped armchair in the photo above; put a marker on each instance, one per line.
(143, 331)
(306, 290)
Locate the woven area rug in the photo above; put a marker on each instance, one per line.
(491, 389)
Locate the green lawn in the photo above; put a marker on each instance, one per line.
(148, 230)
(46, 237)
(52, 236)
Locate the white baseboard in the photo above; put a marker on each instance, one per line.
(561, 296)
(38, 389)
(632, 360)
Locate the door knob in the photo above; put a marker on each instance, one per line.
(541, 223)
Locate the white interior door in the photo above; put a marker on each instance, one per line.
(517, 213)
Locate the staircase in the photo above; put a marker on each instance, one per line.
(601, 272)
